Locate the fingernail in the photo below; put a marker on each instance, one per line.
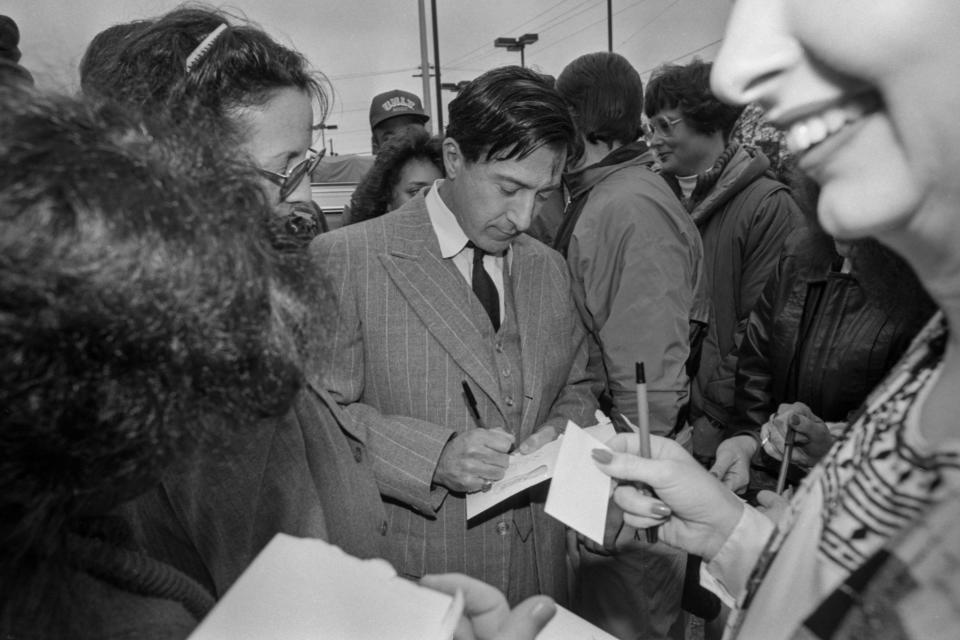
(794, 419)
(602, 456)
(543, 611)
(660, 509)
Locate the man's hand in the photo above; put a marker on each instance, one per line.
(537, 439)
(813, 439)
(487, 616)
(472, 460)
(732, 466)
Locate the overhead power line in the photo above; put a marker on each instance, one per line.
(484, 48)
(648, 23)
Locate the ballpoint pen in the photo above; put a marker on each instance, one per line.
(643, 423)
(785, 463)
(472, 404)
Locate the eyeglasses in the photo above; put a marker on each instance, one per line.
(290, 180)
(661, 125)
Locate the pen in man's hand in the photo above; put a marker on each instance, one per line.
(472, 404)
(643, 422)
(785, 463)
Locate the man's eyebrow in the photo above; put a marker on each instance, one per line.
(524, 185)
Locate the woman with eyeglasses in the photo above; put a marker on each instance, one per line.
(868, 547)
(199, 63)
(307, 473)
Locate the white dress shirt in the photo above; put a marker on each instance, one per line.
(453, 243)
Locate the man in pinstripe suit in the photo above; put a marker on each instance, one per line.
(410, 331)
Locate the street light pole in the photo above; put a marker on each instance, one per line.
(323, 135)
(517, 44)
(610, 26)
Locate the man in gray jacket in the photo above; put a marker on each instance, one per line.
(635, 260)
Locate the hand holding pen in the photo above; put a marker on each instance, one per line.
(474, 459)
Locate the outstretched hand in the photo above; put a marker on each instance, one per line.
(732, 466)
(813, 439)
(487, 616)
(694, 511)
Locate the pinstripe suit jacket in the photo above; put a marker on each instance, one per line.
(408, 331)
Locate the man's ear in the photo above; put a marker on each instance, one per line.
(453, 160)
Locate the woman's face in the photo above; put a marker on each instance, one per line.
(868, 92)
(279, 132)
(416, 174)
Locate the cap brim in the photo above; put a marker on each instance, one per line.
(424, 118)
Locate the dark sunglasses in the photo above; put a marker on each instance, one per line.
(290, 180)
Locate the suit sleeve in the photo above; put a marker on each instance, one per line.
(576, 400)
(405, 450)
(632, 281)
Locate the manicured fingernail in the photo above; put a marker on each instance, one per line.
(543, 611)
(602, 456)
(660, 509)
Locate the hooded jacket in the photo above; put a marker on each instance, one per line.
(636, 262)
(744, 216)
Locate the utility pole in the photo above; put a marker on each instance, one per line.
(436, 62)
(424, 58)
(610, 26)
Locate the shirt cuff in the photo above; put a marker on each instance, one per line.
(727, 573)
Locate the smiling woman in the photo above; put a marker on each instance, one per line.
(868, 546)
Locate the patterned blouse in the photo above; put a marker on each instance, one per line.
(884, 559)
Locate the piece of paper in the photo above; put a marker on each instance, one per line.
(522, 473)
(566, 625)
(526, 471)
(301, 588)
(579, 491)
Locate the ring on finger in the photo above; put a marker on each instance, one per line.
(486, 486)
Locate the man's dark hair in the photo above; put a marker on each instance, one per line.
(240, 68)
(139, 315)
(687, 89)
(372, 196)
(508, 113)
(606, 95)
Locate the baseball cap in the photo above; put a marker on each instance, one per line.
(391, 104)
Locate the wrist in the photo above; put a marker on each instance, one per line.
(439, 475)
(728, 518)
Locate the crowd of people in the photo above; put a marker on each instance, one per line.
(191, 363)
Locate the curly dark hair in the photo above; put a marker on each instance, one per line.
(139, 313)
(372, 196)
(687, 88)
(143, 65)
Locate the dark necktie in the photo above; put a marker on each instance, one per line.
(484, 288)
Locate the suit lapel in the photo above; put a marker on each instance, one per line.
(527, 280)
(439, 295)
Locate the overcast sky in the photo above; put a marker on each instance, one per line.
(368, 46)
